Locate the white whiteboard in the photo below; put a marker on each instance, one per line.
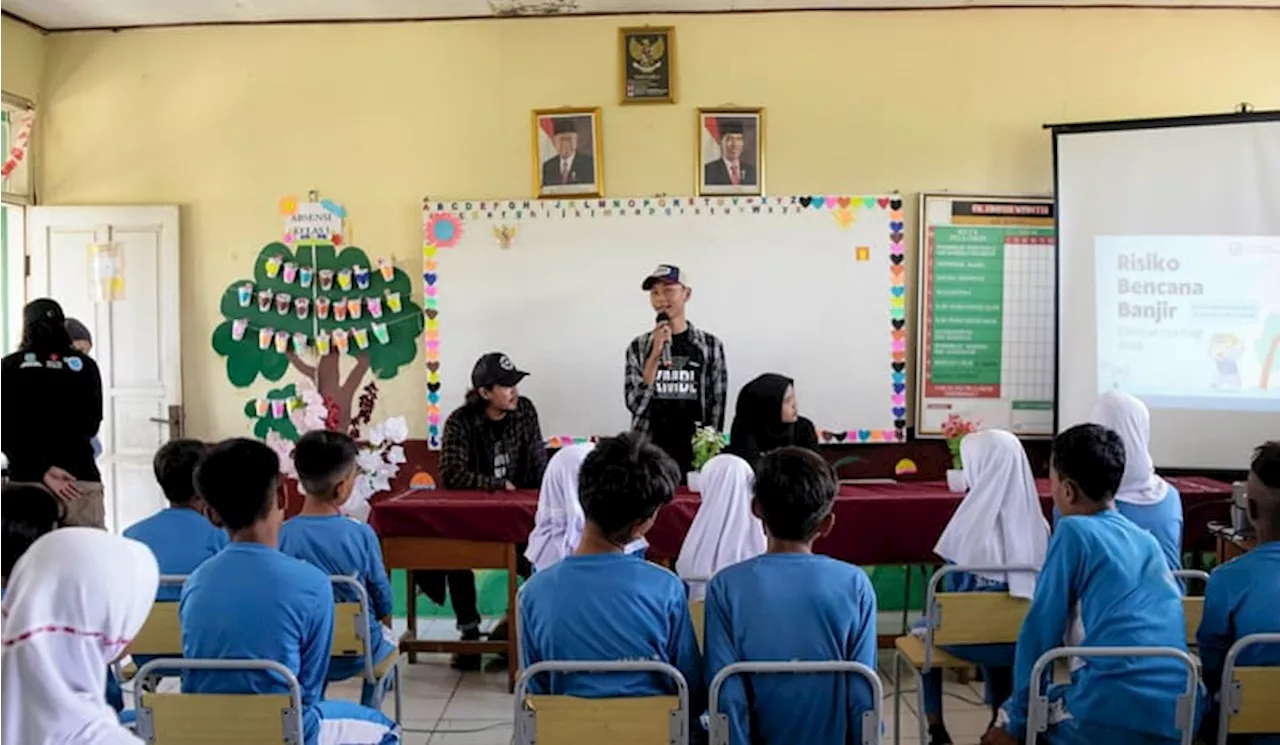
(812, 287)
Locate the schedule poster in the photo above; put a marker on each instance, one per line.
(986, 335)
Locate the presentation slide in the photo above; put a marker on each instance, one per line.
(1190, 321)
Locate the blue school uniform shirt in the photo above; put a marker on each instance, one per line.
(610, 607)
(783, 607)
(1162, 520)
(1242, 598)
(1117, 574)
(339, 545)
(182, 539)
(253, 602)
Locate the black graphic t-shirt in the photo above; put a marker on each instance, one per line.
(676, 408)
(501, 460)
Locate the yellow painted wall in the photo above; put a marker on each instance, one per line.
(223, 121)
(22, 56)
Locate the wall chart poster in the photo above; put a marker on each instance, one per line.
(986, 341)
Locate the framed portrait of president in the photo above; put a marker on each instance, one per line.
(567, 153)
(730, 152)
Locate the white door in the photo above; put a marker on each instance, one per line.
(135, 336)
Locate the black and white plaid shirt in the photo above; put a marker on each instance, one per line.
(714, 381)
(471, 443)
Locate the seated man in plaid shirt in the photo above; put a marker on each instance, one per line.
(493, 442)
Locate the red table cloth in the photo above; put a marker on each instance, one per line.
(875, 524)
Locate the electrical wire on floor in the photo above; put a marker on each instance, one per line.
(436, 731)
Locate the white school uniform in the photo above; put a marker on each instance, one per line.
(724, 532)
(74, 602)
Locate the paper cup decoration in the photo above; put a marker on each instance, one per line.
(264, 338)
(264, 300)
(361, 335)
(353, 307)
(393, 301)
(261, 406)
(340, 340)
(238, 327)
(277, 408)
(387, 268)
(304, 276)
(290, 272)
(244, 293)
(344, 279)
(299, 342)
(273, 266)
(322, 307)
(375, 306)
(282, 341)
(301, 306)
(322, 343)
(283, 303)
(326, 279)
(362, 276)
(381, 333)
(340, 310)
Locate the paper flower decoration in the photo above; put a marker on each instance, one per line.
(444, 230)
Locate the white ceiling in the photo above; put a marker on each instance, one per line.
(80, 14)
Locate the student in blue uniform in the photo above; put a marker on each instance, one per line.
(999, 523)
(251, 602)
(790, 604)
(1110, 575)
(338, 545)
(603, 604)
(180, 536)
(1243, 595)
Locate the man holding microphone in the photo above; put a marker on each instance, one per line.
(676, 374)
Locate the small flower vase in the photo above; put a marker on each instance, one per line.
(695, 481)
(955, 480)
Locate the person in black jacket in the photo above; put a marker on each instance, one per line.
(767, 418)
(50, 413)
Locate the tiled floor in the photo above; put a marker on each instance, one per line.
(445, 707)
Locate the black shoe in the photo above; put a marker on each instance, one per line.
(938, 735)
(467, 662)
(499, 633)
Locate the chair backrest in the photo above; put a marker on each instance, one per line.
(870, 719)
(568, 720)
(1192, 607)
(972, 617)
(1184, 712)
(1250, 695)
(698, 615)
(351, 623)
(161, 635)
(219, 719)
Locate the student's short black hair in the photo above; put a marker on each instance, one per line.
(30, 511)
(238, 480)
(623, 481)
(1093, 457)
(1266, 464)
(175, 468)
(795, 489)
(323, 459)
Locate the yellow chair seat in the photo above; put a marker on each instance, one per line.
(216, 719)
(1192, 611)
(569, 720)
(698, 614)
(1259, 701)
(380, 669)
(912, 649)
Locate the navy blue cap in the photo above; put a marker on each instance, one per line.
(667, 274)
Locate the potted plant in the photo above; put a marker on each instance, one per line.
(954, 430)
(707, 444)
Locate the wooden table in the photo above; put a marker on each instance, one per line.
(1230, 542)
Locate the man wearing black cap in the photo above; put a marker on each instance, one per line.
(728, 169)
(492, 442)
(676, 374)
(568, 166)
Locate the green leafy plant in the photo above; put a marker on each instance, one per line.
(707, 444)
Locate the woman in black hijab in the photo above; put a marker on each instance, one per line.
(766, 419)
(50, 410)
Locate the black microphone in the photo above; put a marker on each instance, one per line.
(666, 346)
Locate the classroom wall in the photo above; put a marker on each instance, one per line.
(22, 56)
(225, 120)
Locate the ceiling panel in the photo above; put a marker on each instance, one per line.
(79, 14)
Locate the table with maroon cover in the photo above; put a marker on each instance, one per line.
(895, 523)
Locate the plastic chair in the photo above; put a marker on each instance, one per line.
(1250, 695)
(955, 618)
(351, 624)
(1038, 705)
(1192, 607)
(570, 720)
(870, 718)
(215, 718)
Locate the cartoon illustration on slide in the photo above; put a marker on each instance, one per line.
(1225, 350)
(1269, 349)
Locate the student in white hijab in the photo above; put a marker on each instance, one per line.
(724, 531)
(75, 601)
(999, 522)
(557, 526)
(1149, 501)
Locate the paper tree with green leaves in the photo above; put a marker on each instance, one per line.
(1269, 349)
(308, 309)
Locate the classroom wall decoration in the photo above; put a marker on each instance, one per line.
(812, 286)
(310, 302)
(986, 344)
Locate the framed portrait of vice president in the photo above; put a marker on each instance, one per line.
(567, 153)
(730, 152)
